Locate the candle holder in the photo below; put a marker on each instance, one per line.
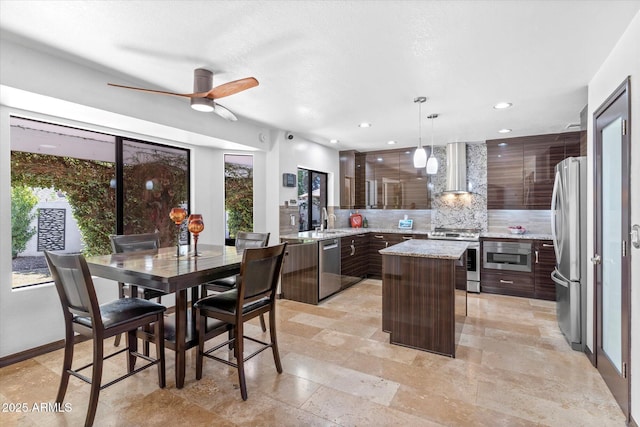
(178, 215)
(195, 226)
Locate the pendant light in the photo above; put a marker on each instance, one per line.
(420, 155)
(432, 164)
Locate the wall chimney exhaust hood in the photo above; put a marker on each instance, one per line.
(456, 168)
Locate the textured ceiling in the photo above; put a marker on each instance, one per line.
(325, 66)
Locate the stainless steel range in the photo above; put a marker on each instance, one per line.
(472, 236)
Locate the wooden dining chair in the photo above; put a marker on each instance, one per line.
(134, 243)
(244, 239)
(83, 315)
(254, 295)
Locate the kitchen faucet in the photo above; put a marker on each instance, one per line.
(324, 217)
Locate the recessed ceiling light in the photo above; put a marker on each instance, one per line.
(333, 141)
(365, 125)
(504, 131)
(391, 142)
(502, 105)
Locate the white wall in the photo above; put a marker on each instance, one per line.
(301, 153)
(623, 61)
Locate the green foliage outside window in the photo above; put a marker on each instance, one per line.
(22, 203)
(238, 185)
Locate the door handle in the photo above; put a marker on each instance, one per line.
(537, 260)
(546, 245)
(596, 259)
(635, 236)
(509, 282)
(353, 249)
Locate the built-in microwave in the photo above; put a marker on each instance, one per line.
(498, 255)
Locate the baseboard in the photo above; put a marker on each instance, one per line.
(590, 355)
(37, 351)
(632, 422)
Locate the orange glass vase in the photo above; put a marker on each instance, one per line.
(195, 226)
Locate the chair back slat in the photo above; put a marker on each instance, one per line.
(134, 242)
(245, 239)
(260, 272)
(74, 285)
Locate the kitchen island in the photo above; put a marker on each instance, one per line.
(418, 293)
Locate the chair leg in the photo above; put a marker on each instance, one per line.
(133, 347)
(201, 327)
(96, 379)
(116, 342)
(66, 366)
(274, 339)
(239, 352)
(159, 331)
(264, 326)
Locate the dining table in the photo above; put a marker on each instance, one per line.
(162, 269)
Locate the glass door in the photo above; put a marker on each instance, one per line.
(612, 242)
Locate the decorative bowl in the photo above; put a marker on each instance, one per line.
(517, 229)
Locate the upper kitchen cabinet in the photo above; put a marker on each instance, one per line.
(521, 171)
(416, 193)
(348, 179)
(504, 174)
(382, 180)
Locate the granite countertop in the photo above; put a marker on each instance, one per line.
(526, 235)
(341, 232)
(443, 249)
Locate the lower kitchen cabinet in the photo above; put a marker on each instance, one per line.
(535, 284)
(300, 273)
(544, 262)
(354, 258)
(515, 283)
(378, 241)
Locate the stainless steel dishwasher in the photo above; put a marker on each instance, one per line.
(329, 279)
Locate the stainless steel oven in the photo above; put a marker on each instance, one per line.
(473, 251)
(514, 256)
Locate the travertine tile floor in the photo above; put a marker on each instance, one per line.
(513, 368)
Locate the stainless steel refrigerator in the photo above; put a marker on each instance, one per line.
(568, 226)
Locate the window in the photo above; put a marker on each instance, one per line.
(312, 198)
(71, 188)
(238, 194)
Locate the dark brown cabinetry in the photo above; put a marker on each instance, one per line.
(382, 180)
(521, 171)
(535, 284)
(544, 263)
(354, 251)
(300, 273)
(378, 241)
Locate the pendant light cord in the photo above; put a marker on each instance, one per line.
(419, 124)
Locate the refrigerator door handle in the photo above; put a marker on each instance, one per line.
(554, 201)
(557, 278)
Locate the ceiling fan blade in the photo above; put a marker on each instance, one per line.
(162, 92)
(233, 87)
(224, 113)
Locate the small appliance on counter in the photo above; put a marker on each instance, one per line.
(355, 220)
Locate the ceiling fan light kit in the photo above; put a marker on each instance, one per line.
(432, 163)
(420, 155)
(204, 94)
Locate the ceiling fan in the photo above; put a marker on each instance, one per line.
(204, 94)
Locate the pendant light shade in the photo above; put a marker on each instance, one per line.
(432, 163)
(419, 158)
(420, 155)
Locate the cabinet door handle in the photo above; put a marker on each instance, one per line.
(360, 235)
(508, 282)
(377, 236)
(546, 245)
(407, 237)
(386, 244)
(537, 260)
(353, 249)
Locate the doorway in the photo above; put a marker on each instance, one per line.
(612, 258)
